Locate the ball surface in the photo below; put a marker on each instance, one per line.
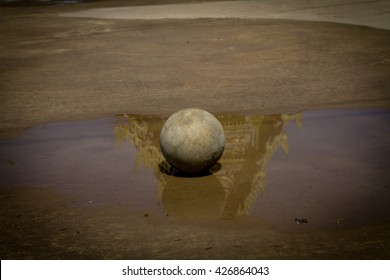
(192, 140)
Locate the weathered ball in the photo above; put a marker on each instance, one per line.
(192, 140)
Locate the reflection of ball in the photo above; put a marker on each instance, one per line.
(192, 140)
(193, 200)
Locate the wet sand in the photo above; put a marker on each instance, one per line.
(301, 186)
(57, 68)
(365, 13)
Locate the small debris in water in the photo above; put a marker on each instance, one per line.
(12, 162)
(208, 248)
(338, 221)
(301, 221)
(146, 215)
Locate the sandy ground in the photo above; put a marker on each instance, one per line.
(368, 13)
(56, 68)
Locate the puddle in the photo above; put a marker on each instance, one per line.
(320, 166)
(293, 173)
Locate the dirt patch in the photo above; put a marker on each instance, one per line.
(54, 68)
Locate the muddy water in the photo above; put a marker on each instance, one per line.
(286, 185)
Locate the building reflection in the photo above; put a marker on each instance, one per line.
(233, 184)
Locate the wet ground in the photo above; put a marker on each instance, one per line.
(288, 186)
(58, 68)
(312, 184)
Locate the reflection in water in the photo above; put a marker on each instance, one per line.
(66, 191)
(250, 141)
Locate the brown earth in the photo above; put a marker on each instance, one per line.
(56, 68)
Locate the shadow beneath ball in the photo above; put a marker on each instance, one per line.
(168, 169)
